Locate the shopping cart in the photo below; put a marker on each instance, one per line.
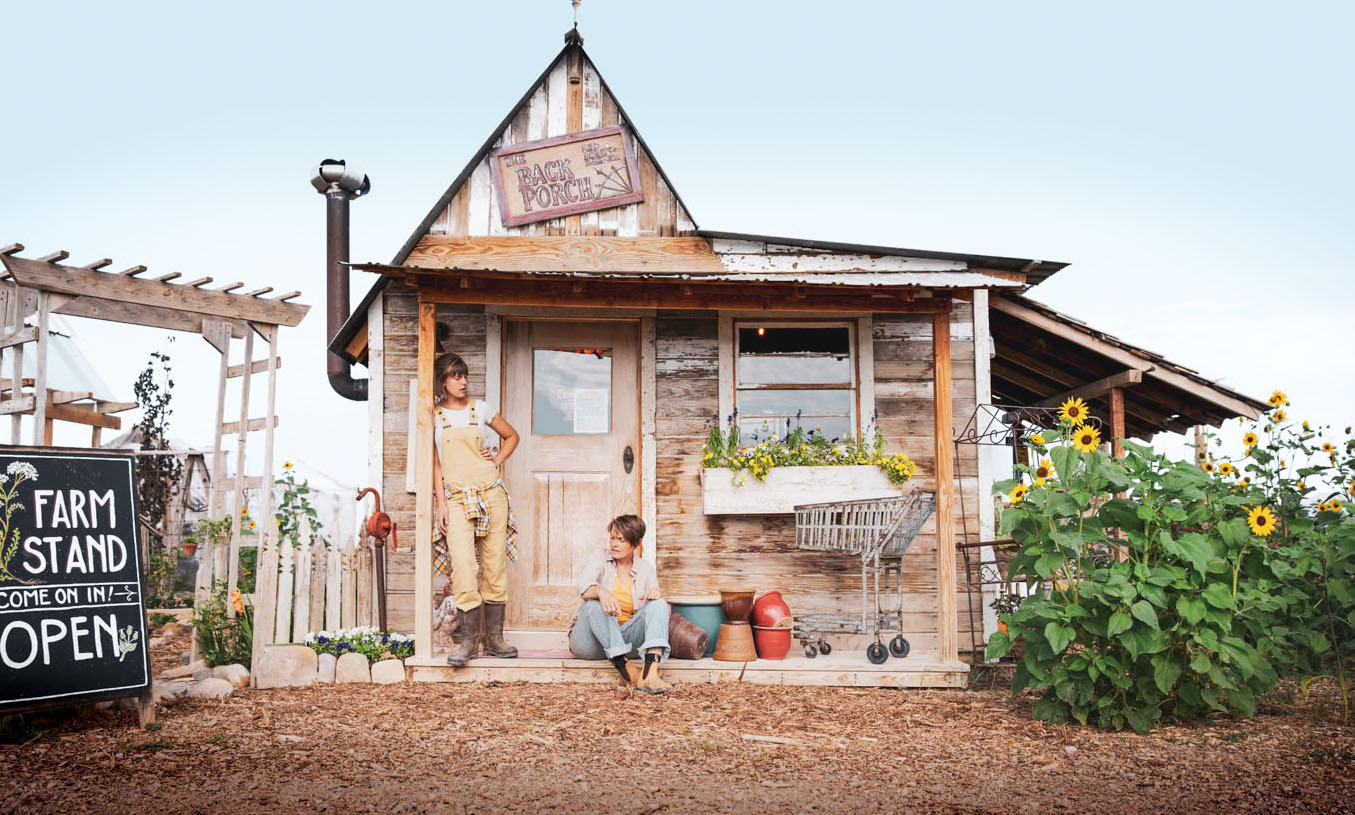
(879, 531)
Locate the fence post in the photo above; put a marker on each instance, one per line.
(282, 631)
(302, 617)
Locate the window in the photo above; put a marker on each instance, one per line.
(571, 391)
(790, 375)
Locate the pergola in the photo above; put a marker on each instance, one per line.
(45, 286)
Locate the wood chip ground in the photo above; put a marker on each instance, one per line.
(730, 748)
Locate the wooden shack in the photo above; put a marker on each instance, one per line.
(650, 327)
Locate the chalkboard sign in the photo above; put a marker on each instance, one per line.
(72, 613)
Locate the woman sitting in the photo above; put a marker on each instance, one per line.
(623, 611)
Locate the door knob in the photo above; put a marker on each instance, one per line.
(628, 459)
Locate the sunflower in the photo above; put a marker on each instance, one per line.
(1334, 504)
(1225, 469)
(1300, 486)
(287, 465)
(1074, 410)
(1327, 447)
(1249, 439)
(1043, 471)
(1352, 487)
(1087, 439)
(1246, 482)
(1278, 399)
(252, 525)
(1262, 521)
(1306, 428)
(1036, 438)
(1208, 466)
(1279, 416)
(1018, 493)
(1322, 507)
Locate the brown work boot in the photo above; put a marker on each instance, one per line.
(468, 647)
(652, 683)
(494, 643)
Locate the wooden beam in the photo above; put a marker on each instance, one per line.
(124, 288)
(201, 281)
(657, 294)
(55, 257)
(79, 415)
(423, 476)
(23, 404)
(291, 295)
(114, 407)
(96, 265)
(229, 428)
(258, 366)
(257, 292)
(10, 249)
(165, 278)
(948, 635)
(1232, 404)
(20, 337)
(583, 254)
(1091, 390)
(229, 288)
(57, 397)
(132, 271)
(120, 312)
(1117, 422)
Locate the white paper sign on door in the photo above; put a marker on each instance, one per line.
(590, 410)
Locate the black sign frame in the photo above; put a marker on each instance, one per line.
(72, 469)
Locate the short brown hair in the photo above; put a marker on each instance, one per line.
(444, 366)
(631, 527)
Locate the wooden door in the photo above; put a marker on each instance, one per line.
(571, 391)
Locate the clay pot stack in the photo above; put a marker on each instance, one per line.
(771, 626)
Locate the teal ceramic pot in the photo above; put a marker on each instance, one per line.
(705, 612)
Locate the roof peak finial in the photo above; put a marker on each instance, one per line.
(572, 36)
(575, 4)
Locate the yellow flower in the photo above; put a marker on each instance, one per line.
(1335, 505)
(1043, 471)
(1300, 485)
(1249, 439)
(1279, 416)
(1246, 481)
(1208, 466)
(1018, 494)
(251, 526)
(1278, 398)
(1327, 447)
(1262, 521)
(1322, 507)
(1074, 410)
(287, 465)
(1306, 428)
(1225, 469)
(1037, 439)
(1352, 487)
(1086, 438)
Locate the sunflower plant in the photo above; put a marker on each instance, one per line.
(1160, 591)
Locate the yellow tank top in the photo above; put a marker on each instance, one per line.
(621, 591)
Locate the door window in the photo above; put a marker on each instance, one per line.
(571, 391)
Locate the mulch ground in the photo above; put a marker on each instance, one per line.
(524, 748)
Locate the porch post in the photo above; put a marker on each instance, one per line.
(1117, 422)
(423, 480)
(948, 647)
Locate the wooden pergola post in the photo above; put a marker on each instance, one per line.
(423, 475)
(948, 639)
(1117, 422)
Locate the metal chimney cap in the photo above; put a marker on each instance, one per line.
(338, 174)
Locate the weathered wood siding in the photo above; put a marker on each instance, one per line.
(699, 554)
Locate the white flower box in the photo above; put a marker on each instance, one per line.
(789, 487)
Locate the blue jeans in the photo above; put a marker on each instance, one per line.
(597, 635)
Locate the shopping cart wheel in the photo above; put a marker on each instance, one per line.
(876, 653)
(899, 647)
(825, 648)
(810, 650)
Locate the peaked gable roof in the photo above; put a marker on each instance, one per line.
(545, 111)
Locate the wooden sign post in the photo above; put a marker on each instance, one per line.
(72, 608)
(566, 175)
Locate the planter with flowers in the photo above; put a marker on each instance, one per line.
(775, 475)
(367, 640)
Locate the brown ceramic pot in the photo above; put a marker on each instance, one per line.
(737, 605)
(735, 643)
(686, 639)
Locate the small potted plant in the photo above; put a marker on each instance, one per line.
(189, 544)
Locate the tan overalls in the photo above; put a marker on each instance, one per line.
(474, 488)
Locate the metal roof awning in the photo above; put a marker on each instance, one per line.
(1043, 357)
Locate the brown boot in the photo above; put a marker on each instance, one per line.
(494, 643)
(468, 647)
(651, 683)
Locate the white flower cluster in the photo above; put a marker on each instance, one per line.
(21, 469)
(357, 634)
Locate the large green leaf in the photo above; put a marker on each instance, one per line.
(999, 645)
(1143, 612)
(1165, 673)
(1218, 596)
(1059, 636)
(1190, 609)
(1119, 623)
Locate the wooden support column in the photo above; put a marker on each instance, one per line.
(948, 639)
(41, 428)
(1116, 422)
(423, 480)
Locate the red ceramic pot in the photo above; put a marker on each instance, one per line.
(772, 643)
(770, 609)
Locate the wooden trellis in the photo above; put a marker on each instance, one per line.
(45, 286)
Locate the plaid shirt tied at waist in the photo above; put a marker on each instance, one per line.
(473, 499)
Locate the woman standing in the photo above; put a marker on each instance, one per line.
(473, 510)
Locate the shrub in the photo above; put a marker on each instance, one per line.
(1187, 593)
(364, 639)
(221, 639)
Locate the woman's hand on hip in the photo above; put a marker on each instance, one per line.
(487, 454)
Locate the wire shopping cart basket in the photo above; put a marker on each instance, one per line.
(879, 531)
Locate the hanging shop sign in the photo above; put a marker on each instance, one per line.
(72, 609)
(566, 175)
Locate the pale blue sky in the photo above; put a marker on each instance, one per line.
(1191, 160)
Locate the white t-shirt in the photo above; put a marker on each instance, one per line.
(484, 412)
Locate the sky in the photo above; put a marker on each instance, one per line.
(1190, 160)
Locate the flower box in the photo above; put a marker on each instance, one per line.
(789, 487)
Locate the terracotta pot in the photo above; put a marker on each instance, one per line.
(190, 548)
(737, 604)
(772, 643)
(735, 643)
(770, 609)
(686, 639)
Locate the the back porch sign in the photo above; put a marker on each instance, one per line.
(72, 614)
(566, 175)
